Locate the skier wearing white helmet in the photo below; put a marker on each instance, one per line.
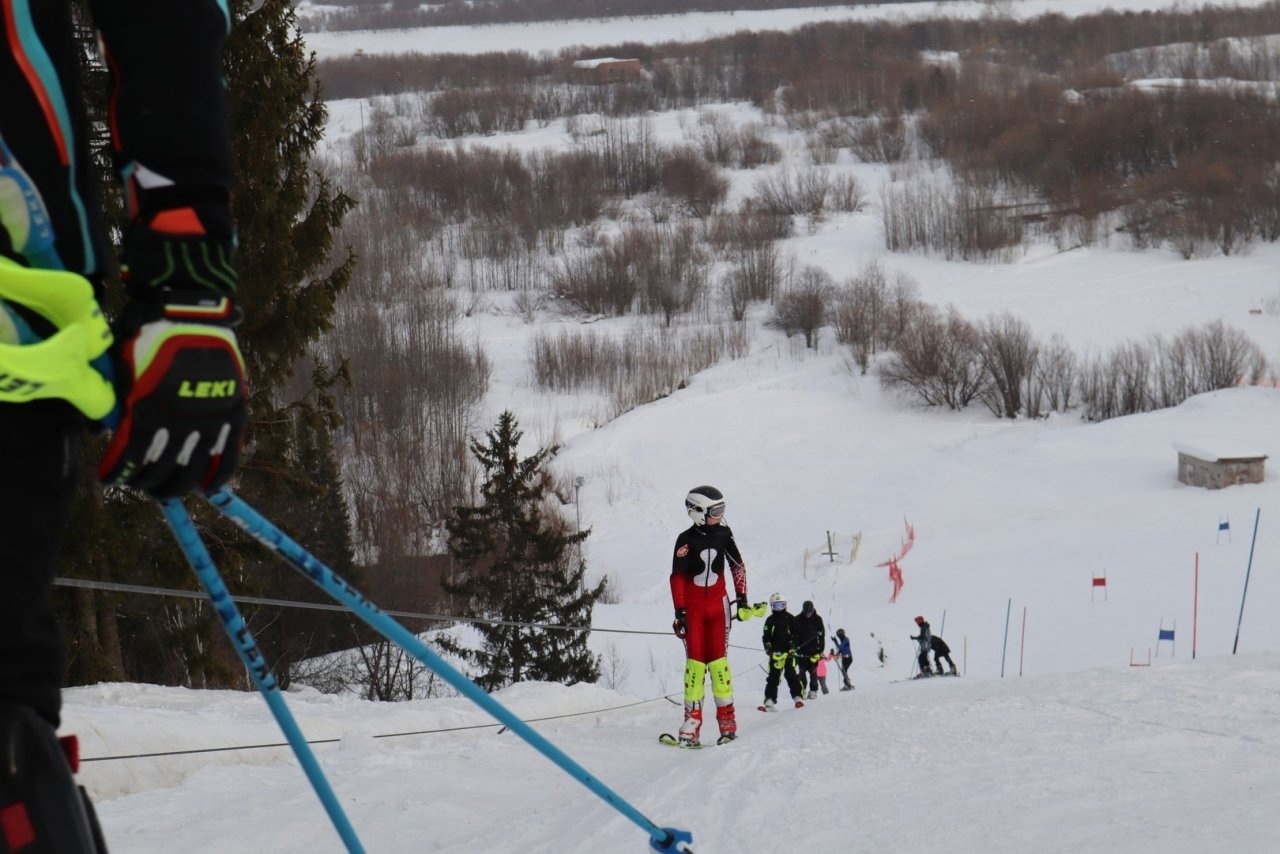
(706, 556)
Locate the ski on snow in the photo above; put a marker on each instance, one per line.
(799, 705)
(671, 741)
(917, 677)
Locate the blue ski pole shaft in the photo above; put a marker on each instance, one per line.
(326, 579)
(184, 530)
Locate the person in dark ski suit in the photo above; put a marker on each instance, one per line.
(941, 651)
(779, 643)
(179, 383)
(845, 653)
(924, 641)
(705, 564)
(811, 643)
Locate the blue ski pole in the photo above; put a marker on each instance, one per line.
(184, 530)
(253, 522)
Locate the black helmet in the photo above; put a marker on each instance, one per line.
(704, 501)
(808, 605)
(840, 633)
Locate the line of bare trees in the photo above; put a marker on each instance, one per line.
(940, 358)
(644, 365)
(943, 359)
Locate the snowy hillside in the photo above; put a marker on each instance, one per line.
(1177, 759)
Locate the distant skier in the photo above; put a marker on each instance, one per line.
(941, 651)
(925, 642)
(844, 653)
(820, 670)
(811, 642)
(703, 606)
(779, 643)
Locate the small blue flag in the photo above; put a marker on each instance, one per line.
(1165, 634)
(1224, 526)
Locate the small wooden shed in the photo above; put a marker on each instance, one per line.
(607, 69)
(1212, 470)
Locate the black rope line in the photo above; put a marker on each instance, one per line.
(501, 728)
(670, 698)
(114, 587)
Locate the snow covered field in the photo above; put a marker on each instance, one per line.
(1051, 742)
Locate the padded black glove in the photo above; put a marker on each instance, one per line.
(681, 624)
(180, 378)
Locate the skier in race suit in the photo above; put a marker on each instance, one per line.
(179, 379)
(706, 557)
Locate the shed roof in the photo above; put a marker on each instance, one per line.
(1220, 455)
(604, 60)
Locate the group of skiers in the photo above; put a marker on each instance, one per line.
(706, 561)
(794, 644)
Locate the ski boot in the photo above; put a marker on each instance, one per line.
(42, 810)
(953, 671)
(768, 706)
(813, 695)
(728, 724)
(799, 703)
(692, 726)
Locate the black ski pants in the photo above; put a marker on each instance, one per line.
(35, 492)
(777, 673)
(808, 671)
(846, 661)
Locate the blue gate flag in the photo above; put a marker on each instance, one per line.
(1165, 634)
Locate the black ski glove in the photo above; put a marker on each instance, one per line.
(180, 378)
(681, 624)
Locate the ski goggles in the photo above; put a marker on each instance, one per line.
(778, 606)
(715, 511)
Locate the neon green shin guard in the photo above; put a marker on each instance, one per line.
(695, 681)
(721, 681)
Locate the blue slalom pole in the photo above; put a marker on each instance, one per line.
(257, 526)
(184, 530)
(1247, 572)
(1004, 651)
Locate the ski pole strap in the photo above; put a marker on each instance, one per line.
(184, 530)
(257, 526)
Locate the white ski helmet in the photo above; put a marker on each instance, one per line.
(777, 602)
(704, 501)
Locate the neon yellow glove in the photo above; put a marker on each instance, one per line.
(60, 365)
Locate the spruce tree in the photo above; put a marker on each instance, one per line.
(517, 566)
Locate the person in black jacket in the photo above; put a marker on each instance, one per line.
(941, 651)
(779, 643)
(924, 640)
(179, 380)
(811, 642)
